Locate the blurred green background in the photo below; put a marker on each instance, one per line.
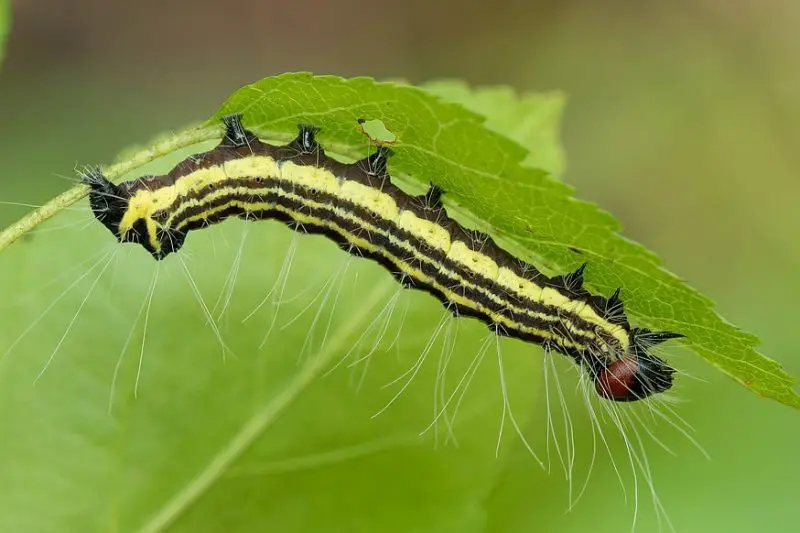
(682, 120)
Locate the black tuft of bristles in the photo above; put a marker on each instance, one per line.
(376, 164)
(615, 300)
(644, 338)
(236, 136)
(306, 140)
(433, 198)
(615, 309)
(653, 375)
(108, 201)
(573, 282)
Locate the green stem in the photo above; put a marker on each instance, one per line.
(160, 148)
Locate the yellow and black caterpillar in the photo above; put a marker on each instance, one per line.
(359, 207)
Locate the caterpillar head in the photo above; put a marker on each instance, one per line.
(637, 375)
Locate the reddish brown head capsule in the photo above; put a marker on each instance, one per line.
(633, 378)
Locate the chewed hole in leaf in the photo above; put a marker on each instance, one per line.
(377, 131)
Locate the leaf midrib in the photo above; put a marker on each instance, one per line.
(261, 419)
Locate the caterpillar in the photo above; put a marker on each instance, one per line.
(359, 207)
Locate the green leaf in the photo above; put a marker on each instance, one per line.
(5, 26)
(531, 119)
(271, 436)
(535, 216)
(261, 437)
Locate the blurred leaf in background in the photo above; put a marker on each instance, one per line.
(5, 26)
